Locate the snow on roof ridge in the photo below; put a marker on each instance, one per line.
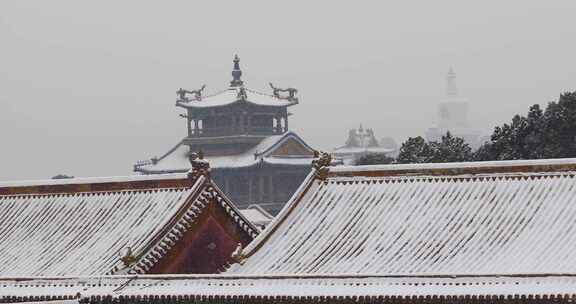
(229, 97)
(233, 276)
(214, 94)
(529, 164)
(260, 93)
(235, 89)
(91, 180)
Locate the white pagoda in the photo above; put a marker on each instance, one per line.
(453, 116)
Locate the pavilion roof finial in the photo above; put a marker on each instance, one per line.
(236, 73)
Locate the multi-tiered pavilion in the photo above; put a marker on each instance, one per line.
(245, 136)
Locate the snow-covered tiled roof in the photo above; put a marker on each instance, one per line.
(176, 160)
(514, 217)
(231, 95)
(474, 233)
(83, 227)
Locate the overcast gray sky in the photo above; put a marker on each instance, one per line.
(87, 88)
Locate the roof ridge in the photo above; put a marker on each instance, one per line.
(98, 184)
(215, 93)
(233, 276)
(260, 93)
(458, 168)
(480, 176)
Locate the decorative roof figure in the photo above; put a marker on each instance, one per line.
(236, 73)
(242, 95)
(196, 94)
(199, 165)
(238, 256)
(321, 159)
(291, 93)
(127, 257)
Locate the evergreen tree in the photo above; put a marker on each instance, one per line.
(561, 127)
(375, 159)
(484, 152)
(414, 150)
(450, 149)
(534, 138)
(508, 140)
(541, 134)
(553, 124)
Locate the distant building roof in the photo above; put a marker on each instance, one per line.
(108, 225)
(360, 142)
(257, 215)
(176, 160)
